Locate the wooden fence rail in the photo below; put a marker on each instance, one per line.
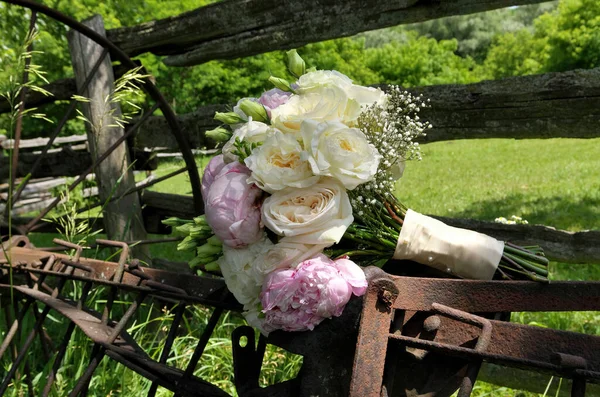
(516, 107)
(239, 28)
(41, 142)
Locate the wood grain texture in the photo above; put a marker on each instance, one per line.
(67, 162)
(238, 28)
(122, 218)
(551, 105)
(559, 245)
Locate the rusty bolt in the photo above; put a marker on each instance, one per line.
(432, 323)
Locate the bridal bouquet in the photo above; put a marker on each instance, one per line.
(303, 193)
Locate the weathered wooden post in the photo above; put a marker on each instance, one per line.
(122, 218)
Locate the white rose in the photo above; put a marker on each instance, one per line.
(319, 214)
(278, 163)
(252, 132)
(244, 282)
(339, 151)
(365, 96)
(321, 104)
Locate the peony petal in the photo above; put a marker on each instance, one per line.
(353, 274)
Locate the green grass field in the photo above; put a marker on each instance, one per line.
(553, 182)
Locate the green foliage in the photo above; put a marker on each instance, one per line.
(217, 81)
(565, 39)
(476, 32)
(420, 61)
(347, 56)
(574, 35)
(516, 54)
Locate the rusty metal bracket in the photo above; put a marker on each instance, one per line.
(412, 326)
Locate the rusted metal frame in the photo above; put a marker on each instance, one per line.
(38, 324)
(167, 377)
(198, 289)
(117, 275)
(578, 387)
(393, 351)
(522, 346)
(247, 360)
(149, 87)
(19, 124)
(50, 263)
(471, 354)
(99, 350)
(78, 265)
(134, 190)
(103, 343)
(164, 355)
(473, 296)
(162, 376)
(130, 243)
(83, 383)
(45, 340)
(21, 314)
(63, 348)
(202, 342)
(369, 362)
(468, 381)
(59, 127)
(30, 225)
(574, 363)
(166, 295)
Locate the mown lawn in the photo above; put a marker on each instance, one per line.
(553, 182)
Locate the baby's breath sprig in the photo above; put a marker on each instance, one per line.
(392, 127)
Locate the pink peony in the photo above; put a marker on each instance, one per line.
(215, 165)
(319, 288)
(232, 206)
(273, 98)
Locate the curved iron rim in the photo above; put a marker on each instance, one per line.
(148, 86)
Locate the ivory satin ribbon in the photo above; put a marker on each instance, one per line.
(462, 252)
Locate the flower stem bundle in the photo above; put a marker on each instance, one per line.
(378, 231)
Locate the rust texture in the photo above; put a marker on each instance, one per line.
(433, 331)
(416, 336)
